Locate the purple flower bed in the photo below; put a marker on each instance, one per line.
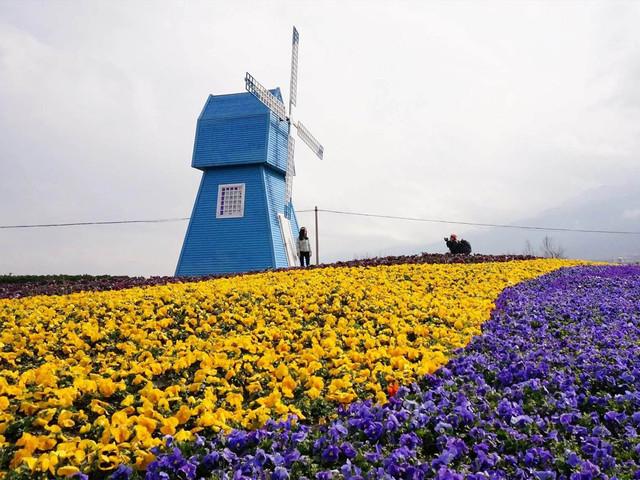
(16, 286)
(551, 390)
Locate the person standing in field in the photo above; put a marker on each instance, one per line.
(303, 246)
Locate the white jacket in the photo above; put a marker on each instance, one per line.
(303, 245)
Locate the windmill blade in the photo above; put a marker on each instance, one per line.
(291, 171)
(310, 140)
(291, 167)
(265, 96)
(288, 185)
(293, 84)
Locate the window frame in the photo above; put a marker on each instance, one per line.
(238, 211)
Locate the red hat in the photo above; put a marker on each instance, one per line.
(453, 236)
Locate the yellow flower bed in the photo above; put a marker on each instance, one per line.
(92, 380)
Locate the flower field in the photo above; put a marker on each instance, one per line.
(550, 390)
(16, 286)
(93, 382)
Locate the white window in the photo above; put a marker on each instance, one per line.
(230, 201)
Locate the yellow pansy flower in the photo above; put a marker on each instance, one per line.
(112, 372)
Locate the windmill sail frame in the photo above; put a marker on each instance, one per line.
(310, 140)
(293, 84)
(276, 106)
(266, 97)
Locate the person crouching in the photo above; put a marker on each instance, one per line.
(456, 246)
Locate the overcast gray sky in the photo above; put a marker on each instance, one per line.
(474, 111)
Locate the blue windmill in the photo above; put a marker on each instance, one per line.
(243, 217)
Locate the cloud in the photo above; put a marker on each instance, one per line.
(476, 112)
(631, 213)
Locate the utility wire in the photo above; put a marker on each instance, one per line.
(114, 222)
(339, 212)
(475, 224)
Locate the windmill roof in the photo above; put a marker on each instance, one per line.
(235, 105)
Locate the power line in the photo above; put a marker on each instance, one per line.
(114, 222)
(475, 224)
(340, 212)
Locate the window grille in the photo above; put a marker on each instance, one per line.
(230, 201)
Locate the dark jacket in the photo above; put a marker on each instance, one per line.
(459, 246)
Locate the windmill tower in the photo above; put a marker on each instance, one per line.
(243, 217)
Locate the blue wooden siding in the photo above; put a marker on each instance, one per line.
(295, 228)
(225, 245)
(234, 105)
(277, 153)
(274, 187)
(277, 147)
(227, 141)
(235, 129)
